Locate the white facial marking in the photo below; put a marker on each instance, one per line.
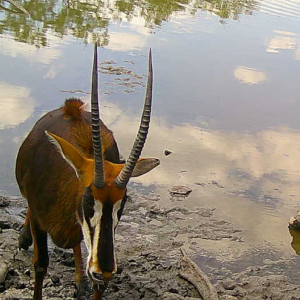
(95, 243)
(87, 240)
(116, 208)
(86, 235)
(98, 206)
(95, 222)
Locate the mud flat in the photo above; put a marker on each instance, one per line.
(150, 243)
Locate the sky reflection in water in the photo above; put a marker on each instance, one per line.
(226, 96)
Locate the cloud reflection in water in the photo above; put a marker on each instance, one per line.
(16, 105)
(285, 40)
(249, 76)
(259, 167)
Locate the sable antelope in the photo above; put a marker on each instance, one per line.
(76, 186)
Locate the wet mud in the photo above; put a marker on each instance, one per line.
(149, 245)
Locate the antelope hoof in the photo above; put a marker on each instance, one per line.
(25, 238)
(84, 290)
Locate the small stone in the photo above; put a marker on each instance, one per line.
(156, 223)
(7, 221)
(171, 296)
(3, 270)
(4, 201)
(47, 283)
(55, 279)
(228, 284)
(228, 297)
(173, 290)
(20, 286)
(27, 272)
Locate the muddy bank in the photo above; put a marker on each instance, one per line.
(148, 245)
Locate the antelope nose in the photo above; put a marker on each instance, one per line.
(97, 276)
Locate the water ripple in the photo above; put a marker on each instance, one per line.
(281, 8)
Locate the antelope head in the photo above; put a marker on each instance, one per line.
(104, 184)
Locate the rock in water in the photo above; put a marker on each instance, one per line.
(167, 152)
(177, 191)
(295, 221)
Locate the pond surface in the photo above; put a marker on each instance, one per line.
(226, 101)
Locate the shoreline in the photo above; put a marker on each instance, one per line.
(149, 243)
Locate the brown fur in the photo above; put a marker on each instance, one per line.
(81, 131)
(73, 108)
(51, 187)
(39, 163)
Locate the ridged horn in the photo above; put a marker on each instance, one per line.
(124, 176)
(99, 180)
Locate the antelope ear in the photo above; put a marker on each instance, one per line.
(144, 165)
(69, 153)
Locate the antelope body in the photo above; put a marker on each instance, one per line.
(68, 168)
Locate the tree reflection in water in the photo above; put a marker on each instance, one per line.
(89, 20)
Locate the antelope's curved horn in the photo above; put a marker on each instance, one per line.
(99, 180)
(123, 178)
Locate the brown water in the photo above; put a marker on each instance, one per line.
(226, 100)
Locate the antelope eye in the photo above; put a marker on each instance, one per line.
(88, 199)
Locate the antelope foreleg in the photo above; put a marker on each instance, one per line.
(40, 259)
(81, 280)
(25, 237)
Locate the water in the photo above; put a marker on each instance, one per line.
(226, 99)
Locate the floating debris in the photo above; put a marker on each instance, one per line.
(129, 82)
(75, 92)
(118, 71)
(108, 62)
(129, 61)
